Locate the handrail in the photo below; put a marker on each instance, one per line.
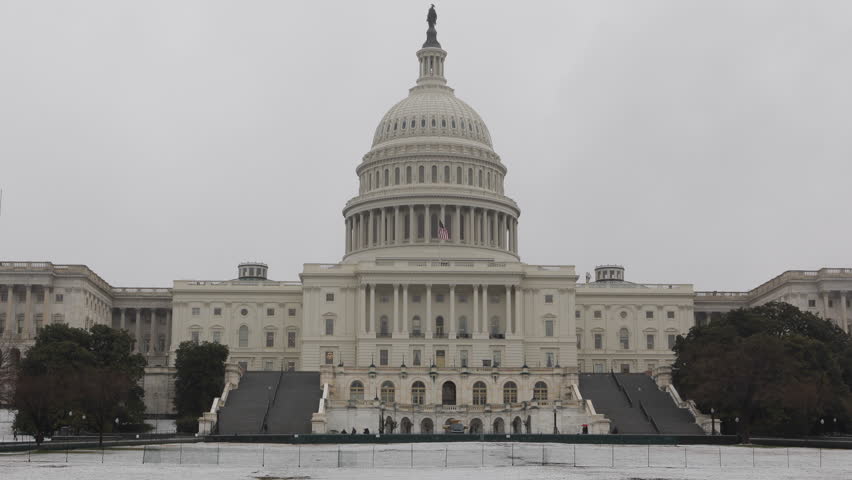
(648, 417)
(621, 387)
(270, 402)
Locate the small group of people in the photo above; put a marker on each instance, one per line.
(353, 432)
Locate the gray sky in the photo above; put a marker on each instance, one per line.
(700, 142)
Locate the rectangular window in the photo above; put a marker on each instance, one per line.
(548, 299)
(270, 312)
(416, 357)
(494, 300)
(291, 366)
(39, 321)
(462, 298)
(383, 358)
(649, 342)
(548, 358)
(267, 365)
(59, 298)
(625, 368)
(649, 315)
(672, 340)
(58, 318)
(217, 336)
(599, 367)
(329, 326)
(329, 358)
(670, 315)
(579, 341)
(217, 311)
(811, 303)
(196, 311)
(291, 312)
(40, 299)
(598, 314)
(830, 303)
(463, 358)
(439, 298)
(2, 323)
(329, 297)
(384, 299)
(195, 337)
(548, 328)
(270, 339)
(496, 358)
(577, 314)
(20, 320)
(440, 358)
(291, 339)
(486, 362)
(598, 341)
(415, 299)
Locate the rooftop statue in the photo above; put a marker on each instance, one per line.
(432, 17)
(431, 33)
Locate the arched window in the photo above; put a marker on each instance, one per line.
(387, 177)
(421, 174)
(446, 174)
(408, 174)
(470, 176)
(480, 393)
(439, 325)
(422, 123)
(433, 122)
(488, 177)
(479, 184)
(388, 392)
(396, 176)
(510, 393)
(412, 123)
(624, 339)
(403, 124)
(356, 391)
(243, 335)
(443, 123)
(369, 182)
(418, 393)
(454, 122)
(458, 175)
(540, 391)
(378, 182)
(434, 174)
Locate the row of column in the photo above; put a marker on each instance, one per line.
(843, 321)
(27, 330)
(408, 224)
(153, 331)
(477, 327)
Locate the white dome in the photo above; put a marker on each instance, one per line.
(432, 111)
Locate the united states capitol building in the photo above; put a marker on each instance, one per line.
(431, 311)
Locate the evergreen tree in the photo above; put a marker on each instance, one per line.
(200, 379)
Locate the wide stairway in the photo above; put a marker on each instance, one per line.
(283, 401)
(635, 405)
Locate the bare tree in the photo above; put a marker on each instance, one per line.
(10, 356)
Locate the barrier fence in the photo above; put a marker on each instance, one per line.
(446, 456)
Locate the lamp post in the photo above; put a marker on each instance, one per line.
(822, 426)
(834, 426)
(712, 421)
(737, 424)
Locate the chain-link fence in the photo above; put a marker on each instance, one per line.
(448, 455)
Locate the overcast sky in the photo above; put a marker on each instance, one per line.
(697, 142)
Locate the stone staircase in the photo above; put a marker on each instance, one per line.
(282, 401)
(635, 405)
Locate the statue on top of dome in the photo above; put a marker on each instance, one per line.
(432, 17)
(431, 33)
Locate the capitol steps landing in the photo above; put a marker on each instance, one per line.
(626, 415)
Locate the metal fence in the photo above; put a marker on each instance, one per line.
(448, 456)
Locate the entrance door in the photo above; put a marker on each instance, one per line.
(448, 394)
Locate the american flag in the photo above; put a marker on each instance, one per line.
(443, 233)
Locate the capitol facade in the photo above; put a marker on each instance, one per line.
(430, 310)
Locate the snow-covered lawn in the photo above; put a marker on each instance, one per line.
(465, 461)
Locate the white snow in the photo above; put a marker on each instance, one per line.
(464, 461)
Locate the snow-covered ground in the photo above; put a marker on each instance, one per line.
(467, 461)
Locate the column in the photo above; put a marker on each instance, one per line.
(510, 324)
(443, 219)
(483, 236)
(154, 331)
(824, 296)
(395, 328)
(168, 330)
(397, 236)
(515, 233)
(428, 310)
(362, 309)
(501, 230)
(519, 324)
(405, 309)
(11, 321)
(427, 219)
(370, 229)
(123, 315)
(474, 322)
(348, 234)
(138, 330)
(452, 333)
(372, 319)
(484, 324)
(29, 324)
(48, 307)
(412, 228)
(494, 228)
(468, 239)
(456, 238)
(843, 315)
(359, 242)
(383, 223)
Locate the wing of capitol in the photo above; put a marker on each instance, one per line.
(430, 318)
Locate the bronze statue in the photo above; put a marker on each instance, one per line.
(431, 33)
(432, 17)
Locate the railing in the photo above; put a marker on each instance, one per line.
(648, 417)
(269, 403)
(497, 335)
(383, 335)
(323, 399)
(463, 335)
(439, 335)
(657, 286)
(416, 335)
(621, 387)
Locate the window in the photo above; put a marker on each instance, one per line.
(270, 312)
(291, 339)
(470, 176)
(196, 311)
(329, 326)
(407, 174)
(267, 365)
(2, 323)
(270, 339)
(598, 341)
(415, 299)
(217, 336)
(462, 298)
(649, 314)
(548, 299)
(625, 368)
(649, 341)
(39, 321)
(217, 311)
(440, 358)
(672, 341)
(416, 357)
(60, 298)
(670, 315)
(579, 341)
(496, 357)
(463, 358)
(146, 344)
(329, 297)
(329, 358)
(811, 303)
(510, 393)
(830, 303)
(58, 318)
(195, 337)
(598, 314)
(421, 174)
(415, 327)
(480, 393)
(458, 175)
(434, 174)
(396, 176)
(548, 327)
(383, 358)
(291, 366)
(291, 312)
(624, 339)
(446, 174)
(161, 343)
(599, 367)
(439, 298)
(548, 359)
(384, 299)
(243, 336)
(388, 392)
(356, 391)
(540, 391)
(577, 314)
(494, 299)
(462, 325)
(418, 393)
